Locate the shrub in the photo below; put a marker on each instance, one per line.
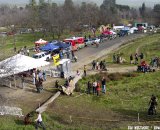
(115, 76)
(130, 75)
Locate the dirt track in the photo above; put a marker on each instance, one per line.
(88, 54)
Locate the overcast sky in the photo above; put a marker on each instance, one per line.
(126, 2)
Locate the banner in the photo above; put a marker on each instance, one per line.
(56, 59)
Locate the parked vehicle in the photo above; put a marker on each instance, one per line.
(133, 30)
(144, 25)
(88, 42)
(141, 29)
(76, 42)
(96, 40)
(110, 34)
(123, 33)
(106, 33)
(151, 28)
(43, 56)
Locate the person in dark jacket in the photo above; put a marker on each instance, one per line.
(57, 84)
(94, 87)
(141, 56)
(89, 86)
(93, 65)
(152, 105)
(38, 86)
(85, 71)
(131, 59)
(103, 85)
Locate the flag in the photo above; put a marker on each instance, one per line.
(56, 59)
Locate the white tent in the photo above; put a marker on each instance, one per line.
(41, 41)
(19, 63)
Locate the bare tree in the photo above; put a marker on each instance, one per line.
(156, 11)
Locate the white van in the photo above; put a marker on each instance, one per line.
(42, 55)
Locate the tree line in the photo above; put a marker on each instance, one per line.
(56, 18)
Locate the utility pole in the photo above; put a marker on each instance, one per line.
(14, 39)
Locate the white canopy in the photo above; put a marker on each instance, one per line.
(19, 63)
(41, 41)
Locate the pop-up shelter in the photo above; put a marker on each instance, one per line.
(41, 42)
(62, 45)
(15, 65)
(19, 63)
(49, 47)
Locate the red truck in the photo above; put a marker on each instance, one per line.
(76, 42)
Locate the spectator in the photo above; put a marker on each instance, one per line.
(44, 75)
(141, 56)
(131, 59)
(104, 65)
(98, 88)
(93, 65)
(40, 75)
(85, 71)
(144, 66)
(155, 62)
(101, 64)
(61, 54)
(57, 84)
(68, 54)
(94, 87)
(97, 65)
(136, 58)
(34, 77)
(89, 86)
(103, 85)
(41, 83)
(70, 78)
(152, 105)
(39, 122)
(151, 62)
(114, 58)
(38, 86)
(158, 62)
(118, 58)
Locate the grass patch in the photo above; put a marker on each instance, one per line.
(148, 45)
(128, 91)
(127, 95)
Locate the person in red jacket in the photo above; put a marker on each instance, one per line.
(98, 88)
(144, 66)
